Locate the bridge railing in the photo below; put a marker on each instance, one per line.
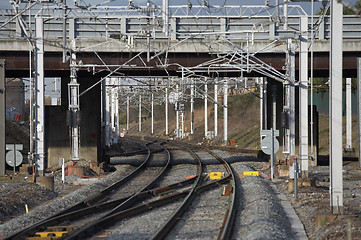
(181, 27)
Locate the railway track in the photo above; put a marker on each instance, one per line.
(150, 196)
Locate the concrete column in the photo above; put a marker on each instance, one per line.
(348, 115)
(152, 110)
(225, 113)
(182, 119)
(216, 108)
(303, 96)
(173, 24)
(205, 109)
(166, 111)
(140, 113)
(192, 107)
(39, 97)
(2, 117)
(336, 181)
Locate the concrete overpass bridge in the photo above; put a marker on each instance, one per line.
(94, 49)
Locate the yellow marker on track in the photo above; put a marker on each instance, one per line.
(215, 175)
(251, 173)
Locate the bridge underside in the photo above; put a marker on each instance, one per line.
(17, 64)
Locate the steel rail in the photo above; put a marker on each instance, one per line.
(112, 219)
(95, 198)
(227, 227)
(190, 196)
(169, 224)
(56, 220)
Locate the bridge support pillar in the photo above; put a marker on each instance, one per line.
(140, 114)
(2, 117)
(348, 115)
(192, 107)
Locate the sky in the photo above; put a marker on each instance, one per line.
(5, 4)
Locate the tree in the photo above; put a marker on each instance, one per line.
(346, 10)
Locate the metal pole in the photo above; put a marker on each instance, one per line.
(2, 117)
(166, 111)
(348, 115)
(295, 181)
(116, 117)
(152, 128)
(31, 95)
(39, 96)
(274, 107)
(261, 102)
(215, 108)
(205, 109)
(140, 113)
(107, 112)
(166, 17)
(177, 114)
(311, 82)
(272, 154)
(127, 114)
(292, 96)
(225, 113)
(182, 119)
(192, 107)
(336, 181)
(303, 96)
(359, 109)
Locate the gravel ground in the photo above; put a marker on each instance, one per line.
(261, 215)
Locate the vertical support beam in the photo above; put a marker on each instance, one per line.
(261, 105)
(127, 114)
(336, 182)
(152, 110)
(292, 99)
(112, 109)
(140, 113)
(116, 112)
(348, 115)
(303, 102)
(182, 119)
(173, 24)
(166, 111)
(123, 25)
(39, 96)
(225, 112)
(216, 107)
(107, 112)
(274, 107)
(166, 17)
(177, 114)
(359, 109)
(192, 107)
(205, 108)
(2, 117)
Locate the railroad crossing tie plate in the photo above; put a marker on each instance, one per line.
(215, 175)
